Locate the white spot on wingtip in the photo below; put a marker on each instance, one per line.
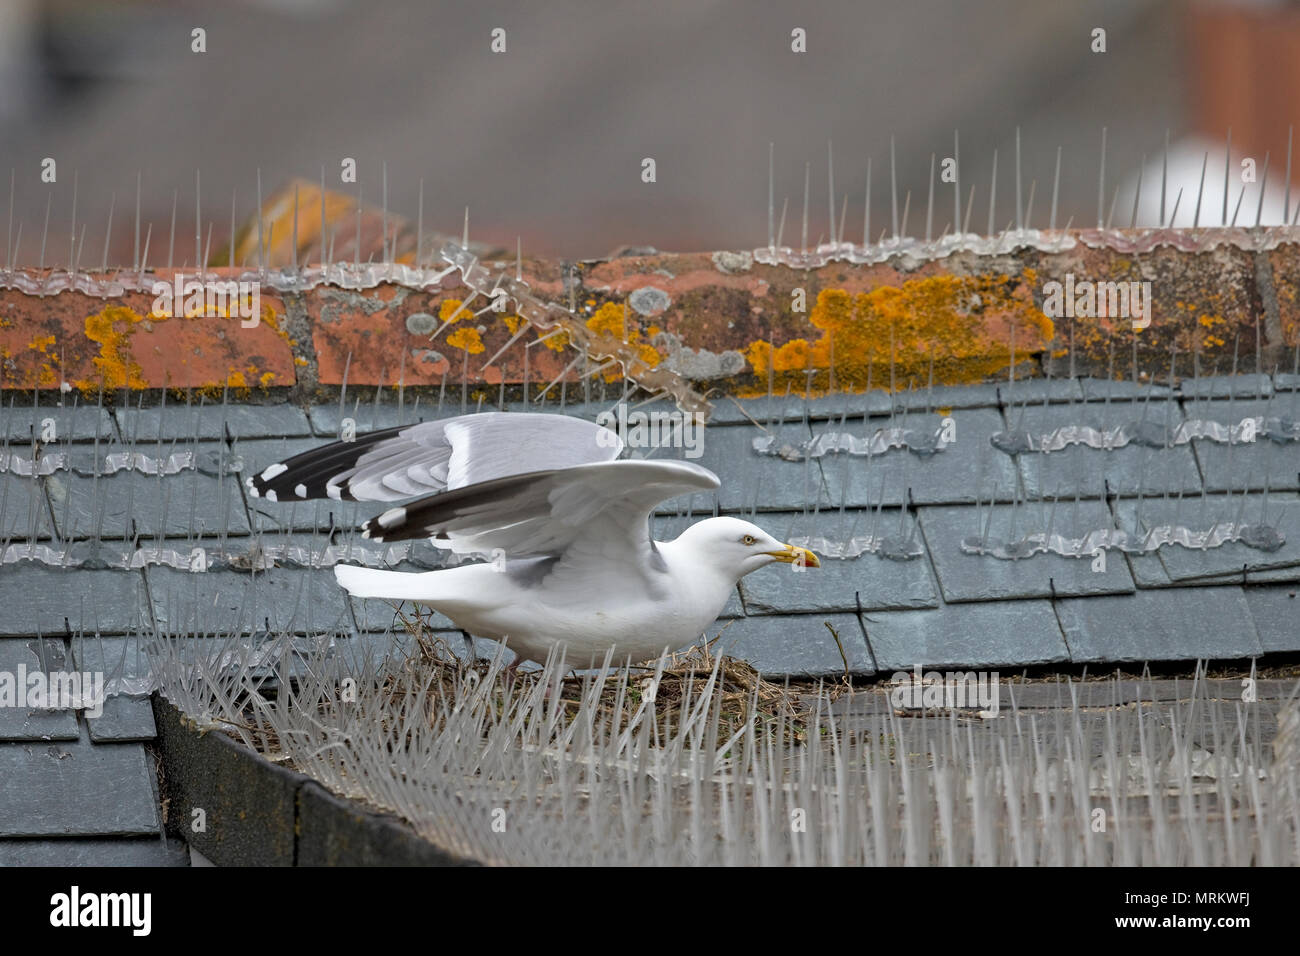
(252, 488)
(270, 496)
(300, 490)
(391, 517)
(333, 492)
(279, 468)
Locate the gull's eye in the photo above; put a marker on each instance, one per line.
(748, 539)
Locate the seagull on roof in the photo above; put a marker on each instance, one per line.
(563, 523)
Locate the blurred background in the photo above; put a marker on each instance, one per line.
(546, 140)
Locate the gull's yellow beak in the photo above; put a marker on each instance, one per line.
(793, 554)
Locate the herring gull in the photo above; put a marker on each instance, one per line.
(562, 521)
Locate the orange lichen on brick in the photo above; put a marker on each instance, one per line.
(467, 338)
(450, 307)
(961, 322)
(612, 320)
(112, 330)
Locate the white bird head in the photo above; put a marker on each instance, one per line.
(739, 548)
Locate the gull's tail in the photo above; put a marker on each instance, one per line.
(389, 585)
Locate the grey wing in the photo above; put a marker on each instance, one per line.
(603, 506)
(413, 460)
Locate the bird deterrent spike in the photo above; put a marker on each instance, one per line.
(893, 186)
(207, 250)
(1286, 198)
(1110, 214)
(1101, 182)
(1174, 214)
(1137, 194)
(956, 179)
(384, 206)
(1020, 218)
(1227, 168)
(293, 241)
(464, 239)
(198, 224)
(1029, 206)
(231, 261)
(1237, 208)
(830, 184)
(1164, 181)
(803, 242)
(1263, 185)
(771, 197)
(108, 231)
(970, 204)
(929, 203)
(844, 211)
(866, 210)
(907, 208)
(993, 193)
(1056, 188)
(8, 242)
(72, 239)
(780, 232)
(171, 242)
(144, 258)
(1200, 191)
(48, 199)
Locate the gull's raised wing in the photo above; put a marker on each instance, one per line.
(412, 460)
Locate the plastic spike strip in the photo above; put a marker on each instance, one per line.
(1261, 537)
(834, 443)
(1148, 434)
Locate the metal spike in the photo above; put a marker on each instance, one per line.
(1101, 180)
(1020, 218)
(108, 231)
(780, 232)
(198, 224)
(49, 198)
(293, 241)
(1263, 186)
(1174, 214)
(830, 184)
(893, 186)
(1196, 219)
(929, 203)
(171, 242)
(1164, 179)
(1227, 168)
(1237, 208)
(956, 179)
(1029, 206)
(866, 209)
(803, 240)
(72, 239)
(464, 239)
(1137, 195)
(384, 204)
(993, 193)
(1056, 189)
(907, 207)
(771, 197)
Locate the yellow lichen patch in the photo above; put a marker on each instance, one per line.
(466, 338)
(947, 318)
(513, 322)
(112, 330)
(41, 344)
(557, 343)
(450, 307)
(612, 320)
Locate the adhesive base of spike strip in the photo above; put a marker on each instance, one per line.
(173, 464)
(1262, 239)
(1258, 536)
(1149, 434)
(831, 443)
(893, 548)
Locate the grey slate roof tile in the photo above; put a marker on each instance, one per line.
(985, 634)
(1167, 624)
(157, 504)
(292, 599)
(123, 851)
(124, 717)
(72, 422)
(962, 470)
(1086, 471)
(797, 645)
(326, 420)
(1222, 386)
(38, 599)
(24, 723)
(972, 577)
(831, 407)
(1101, 389)
(1276, 613)
(746, 474)
(1055, 390)
(1174, 564)
(24, 508)
(839, 583)
(77, 788)
(1250, 464)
